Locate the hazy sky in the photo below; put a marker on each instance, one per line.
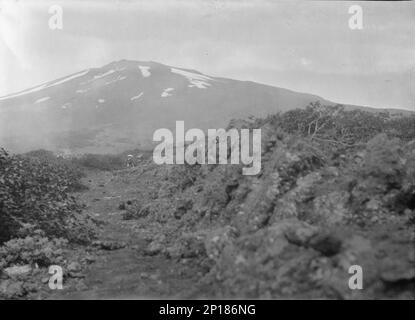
(301, 45)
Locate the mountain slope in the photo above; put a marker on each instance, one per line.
(119, 106)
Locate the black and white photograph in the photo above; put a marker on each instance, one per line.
(207, 150)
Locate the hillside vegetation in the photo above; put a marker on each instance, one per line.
(337, 188)
(39, 217)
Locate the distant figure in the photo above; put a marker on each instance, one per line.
(130, 161)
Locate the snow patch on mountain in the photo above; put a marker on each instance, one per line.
(66, 105)
(42, 100)
(137, 96)
(119, 78)
(74, 76)
(38, 88)
(196, 80)
(145, 71)
(46, 85)
(83, 90)
(166, 93)
(99, 76)
(102, 75)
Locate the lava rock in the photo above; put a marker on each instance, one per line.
(327, 244)
(153, 248)
(301, 233)
(74, 267)
(109, 245)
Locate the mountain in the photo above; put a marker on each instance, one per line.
(120, 105)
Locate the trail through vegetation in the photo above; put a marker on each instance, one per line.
(337, 189)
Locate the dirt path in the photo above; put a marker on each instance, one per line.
(125, 272)
(120, 265)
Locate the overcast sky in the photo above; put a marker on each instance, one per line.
(305, 46)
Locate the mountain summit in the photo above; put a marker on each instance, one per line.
(119, 105)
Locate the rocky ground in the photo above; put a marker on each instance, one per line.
(118, 265)
(210, 232)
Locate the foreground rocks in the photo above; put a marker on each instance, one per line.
(296, 230)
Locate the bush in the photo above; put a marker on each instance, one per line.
(70, 169)
(36, 192)
(402, 128)
(31, 250)
(383, 159)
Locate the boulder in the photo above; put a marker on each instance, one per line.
(74, 267)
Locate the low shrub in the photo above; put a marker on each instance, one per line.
(32, 250)
(37, 192)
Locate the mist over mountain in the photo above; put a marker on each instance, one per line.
(120, 105)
